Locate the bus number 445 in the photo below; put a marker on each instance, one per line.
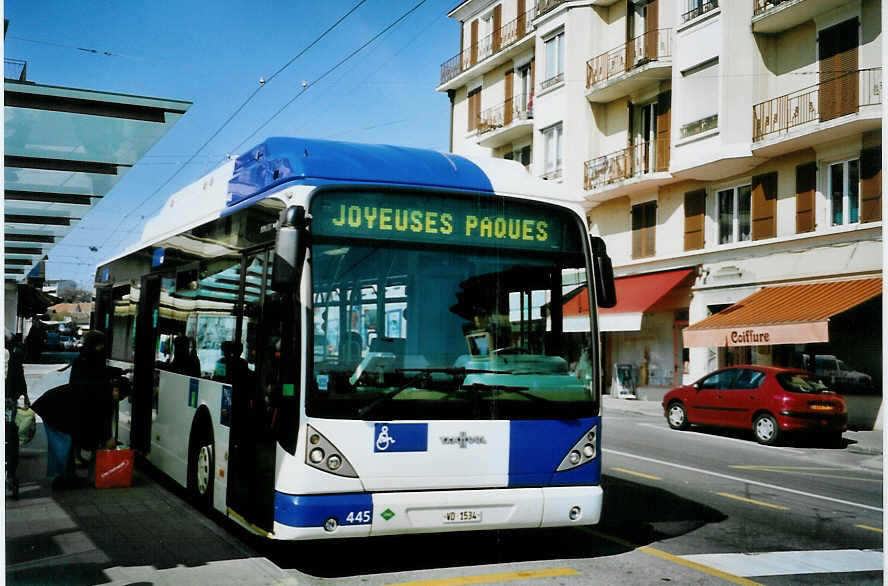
(358, 517)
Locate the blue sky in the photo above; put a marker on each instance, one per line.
(213, 54)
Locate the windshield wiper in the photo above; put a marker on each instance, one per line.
(507, 389)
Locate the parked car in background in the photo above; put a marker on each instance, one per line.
(770, 401)
(838, 376)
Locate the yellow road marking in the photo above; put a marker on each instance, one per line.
(753, 501)
(808, 471)
(493, 578)
(634, 473)
(868, 528)
(674, 559)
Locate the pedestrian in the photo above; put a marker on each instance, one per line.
(98, 389)
(15, 387)
(185, 360)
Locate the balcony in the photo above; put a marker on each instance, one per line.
(846, 105)
(775, 16)
(698, 10)
(504, 123)
(640, 166)
(544, 6)
(619, 72)
(498, 41)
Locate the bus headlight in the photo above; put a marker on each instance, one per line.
(585, 450)
(320, 453)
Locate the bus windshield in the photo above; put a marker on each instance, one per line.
(411, 325)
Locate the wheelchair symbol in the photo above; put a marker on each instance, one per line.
(384, 440)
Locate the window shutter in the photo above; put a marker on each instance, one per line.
(474, 49)
(871, 184)
(664, 128)
(651, 24)
(644, 219)
(509, 103)
(695, 216)
(474, 108)
(838, 70)
(764, 206)
(522, 30)
(806, 184)
(497, 24)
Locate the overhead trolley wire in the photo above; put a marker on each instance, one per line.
(263, 82)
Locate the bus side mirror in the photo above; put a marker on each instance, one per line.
(290, 245)
(603, 273)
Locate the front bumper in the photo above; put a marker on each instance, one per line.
(391, 513)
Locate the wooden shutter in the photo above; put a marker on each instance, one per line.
(871, 184)
(644, 220)
(838, 70)
(764, 206)
(806, 184)
(497, 25)
(664, 129)
(522, 29)
(509, 102)
(651, 24)
(695, 216)
(474, 108)
(474, 38)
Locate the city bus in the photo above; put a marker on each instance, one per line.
(330, 339)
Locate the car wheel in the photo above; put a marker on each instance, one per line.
(676, 415)
(765, 429)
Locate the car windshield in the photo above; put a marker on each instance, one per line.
(799, 382)
(407, 329)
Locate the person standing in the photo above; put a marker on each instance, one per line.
(97, 387)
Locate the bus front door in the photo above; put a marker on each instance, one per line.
(143, 364)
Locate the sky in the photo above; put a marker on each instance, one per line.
(213, 54)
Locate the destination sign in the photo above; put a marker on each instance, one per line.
(478, 221)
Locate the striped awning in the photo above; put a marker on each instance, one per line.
(788, 314)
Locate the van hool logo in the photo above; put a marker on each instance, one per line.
(462, 440)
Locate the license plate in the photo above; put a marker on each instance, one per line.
(463, 516)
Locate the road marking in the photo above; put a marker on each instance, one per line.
(868, 528)
(493, 578)
(786, 563)
(700, 567)
(708, 436)
(752, 501)
(743, 480)
(809, 471)
(634, 473)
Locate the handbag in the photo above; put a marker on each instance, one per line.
(114, 468)
(26, 422)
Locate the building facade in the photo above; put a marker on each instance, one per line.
(720, 148)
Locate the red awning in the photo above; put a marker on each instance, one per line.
(788, 314)
(635, 296)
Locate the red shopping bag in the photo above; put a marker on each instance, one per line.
(114, 468)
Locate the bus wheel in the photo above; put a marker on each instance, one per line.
(202, 467)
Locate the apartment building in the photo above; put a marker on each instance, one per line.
(728, 152)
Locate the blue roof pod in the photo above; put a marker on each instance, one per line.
(281, 159)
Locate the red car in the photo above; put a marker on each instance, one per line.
(769, 400)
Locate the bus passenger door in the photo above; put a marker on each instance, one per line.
(143, 364)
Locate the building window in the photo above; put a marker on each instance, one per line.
(553, 145)
(844, 190)
(474, 108)
(644, 222)
(733, 214)
(554, 60)
(699, 104)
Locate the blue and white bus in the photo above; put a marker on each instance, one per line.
(331, 339)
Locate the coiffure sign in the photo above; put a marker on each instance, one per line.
(757, 335)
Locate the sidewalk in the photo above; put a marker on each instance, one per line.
(860, 442)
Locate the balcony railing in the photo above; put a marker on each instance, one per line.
(15, 69)
(651, 46)
(503, 37)
(762, 6)
(639, 159)
(700, 9)
(544, 6)
(818, 103)
(512, 109)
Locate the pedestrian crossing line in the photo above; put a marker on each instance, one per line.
(495, 578)
(734, 579)
(868, 528)
(634, 473)
(752, 501)
(790, 563)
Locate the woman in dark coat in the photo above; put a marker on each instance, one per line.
(96, 384)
